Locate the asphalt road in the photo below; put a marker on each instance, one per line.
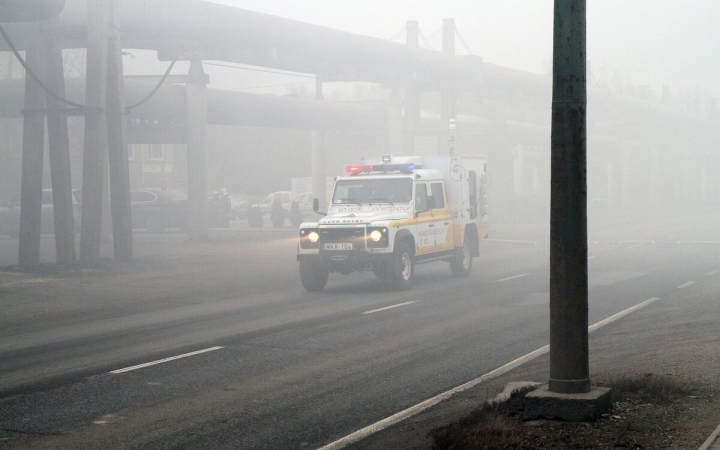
(278, 367)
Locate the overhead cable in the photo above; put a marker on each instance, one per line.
(32, 74)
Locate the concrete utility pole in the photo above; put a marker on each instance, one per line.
(569, 359)
(95, 148)
(568, 394)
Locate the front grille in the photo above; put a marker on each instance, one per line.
(354, 236)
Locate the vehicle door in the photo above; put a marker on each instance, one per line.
(424, 221)
(442, 216)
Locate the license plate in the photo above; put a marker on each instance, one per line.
(338, 246)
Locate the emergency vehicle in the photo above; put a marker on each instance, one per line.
(387, 216)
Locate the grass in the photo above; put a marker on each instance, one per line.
(499, 426)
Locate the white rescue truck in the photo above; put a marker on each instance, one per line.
(393, 214)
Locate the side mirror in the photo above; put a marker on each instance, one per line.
(316, 205)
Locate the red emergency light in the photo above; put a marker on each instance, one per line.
(359, 169)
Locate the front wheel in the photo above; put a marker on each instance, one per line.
(313, 275)
(401, 270)
(462, 260)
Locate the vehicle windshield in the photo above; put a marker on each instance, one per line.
(359, 191)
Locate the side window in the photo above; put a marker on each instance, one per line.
(438, 195)
(421, 197)
(473, 189)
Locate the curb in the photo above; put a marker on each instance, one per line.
(712, 443)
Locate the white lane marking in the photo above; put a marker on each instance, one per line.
(623, 313)
(160, 361)
(712, 272)
(512, 278)
(698, 242)
(633, 246)
(420, 407)
(637, 241)
(592, 257)
(684, 285)
(389, 307)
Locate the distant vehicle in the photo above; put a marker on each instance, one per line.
(239, 206)
(304, 202)
(266, 203)
(158, 209)
(10, 214)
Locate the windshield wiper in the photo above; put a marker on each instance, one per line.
(352, 200)
(379, 200)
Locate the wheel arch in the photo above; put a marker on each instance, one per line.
(404, 236)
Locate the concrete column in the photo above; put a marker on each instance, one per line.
(412, 33)
(196, 117)
(317, 156)
(119, 168)
(411, 100)
(569, 354)
(59, 151)
(447, 94)
(318, 168)
(32, 159)
(95, 147)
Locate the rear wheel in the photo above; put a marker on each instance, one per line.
(462, 260)
(313, 275)
(401, 270)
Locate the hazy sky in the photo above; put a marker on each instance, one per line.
(654, 42)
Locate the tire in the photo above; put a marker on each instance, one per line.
(462, 261)
(313, 276)
(155, 223)
(401, 270)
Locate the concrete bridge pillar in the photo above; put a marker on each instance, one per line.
(32, 159)
(196, 120)
(59, 152)
(95, 146)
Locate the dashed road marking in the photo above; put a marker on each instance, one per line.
(414, 410)
(712, 272)
(633, 246)
(592, 257)
(512, 278)
(684, 285)
(164, 360)
(389, 307)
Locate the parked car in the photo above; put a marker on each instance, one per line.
(266, 203)
(158, 209)
(304, 202)
(10, 214)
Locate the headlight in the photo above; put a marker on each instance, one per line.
(377, 237)
(309, 238)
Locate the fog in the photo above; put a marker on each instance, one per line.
(201, 323)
